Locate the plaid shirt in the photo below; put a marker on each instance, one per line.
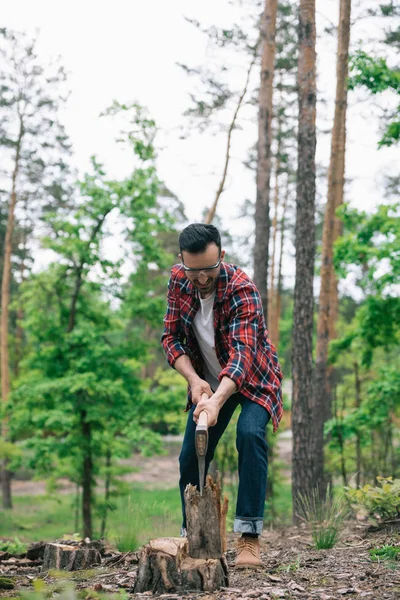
(245, 353)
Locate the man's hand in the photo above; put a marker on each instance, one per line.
(211, 406)
(199, 387)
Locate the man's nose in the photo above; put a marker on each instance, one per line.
(202, 277)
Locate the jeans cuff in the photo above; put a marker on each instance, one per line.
(248, 525)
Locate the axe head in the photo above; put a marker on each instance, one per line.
(201, 442)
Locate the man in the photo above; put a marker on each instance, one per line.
(215, 336)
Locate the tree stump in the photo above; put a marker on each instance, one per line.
(168, 565)
(69, 558)
(165, 567)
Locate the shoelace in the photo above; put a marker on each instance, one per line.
(249, 544)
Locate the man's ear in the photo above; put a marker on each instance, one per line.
(180, 256)
(222, 254)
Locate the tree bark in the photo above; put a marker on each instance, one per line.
(279, 287)
(211, 213)
(106, 494)
(5, 301)
(272, 279)
(261, 250)
(69, 558)
(357, 383)
(328, 301)
(166, 568)
(302, 473)
(206, 520)
(87, 471)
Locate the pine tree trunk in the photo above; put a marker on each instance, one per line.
(302, 473)
(268, 31)
(272, 278)
(5, 301)
(279, 287)
(328, 301)
(358, 437)
(106, 494)
(87, 476)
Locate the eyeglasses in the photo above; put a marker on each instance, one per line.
(194, 272)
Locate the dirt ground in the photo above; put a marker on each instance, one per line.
(291, 569)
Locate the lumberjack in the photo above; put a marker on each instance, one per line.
(215, 336)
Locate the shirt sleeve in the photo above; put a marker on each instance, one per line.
(170, 338)
(243, 328)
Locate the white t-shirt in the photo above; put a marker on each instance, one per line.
(203, 325)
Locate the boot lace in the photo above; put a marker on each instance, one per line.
(248, 543)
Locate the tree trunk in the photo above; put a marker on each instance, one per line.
(87, 473)
(279, 287)
(77, 506)
(5, 301)
(357, 382)
(106, 495)
(268, 31)
(211, 213)
(272, 278)
(328, 293)
(302, 473)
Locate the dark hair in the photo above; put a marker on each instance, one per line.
(197, 236)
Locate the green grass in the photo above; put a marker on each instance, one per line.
(386, 553)
(325, 516)
(147, 513)
(134, 520)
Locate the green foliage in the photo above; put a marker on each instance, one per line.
(66, 590)
(385, 553)
(6, 583)
(166, 393)
(377, 77)
(325, 517)
(79, 399)
(14, 546)
(381, 502)
(371, 245)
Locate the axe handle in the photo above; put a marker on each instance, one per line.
(203, 417)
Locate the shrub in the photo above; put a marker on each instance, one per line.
(381, 502)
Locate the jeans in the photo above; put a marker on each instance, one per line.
(252, 459)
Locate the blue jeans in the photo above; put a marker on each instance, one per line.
(252, 464)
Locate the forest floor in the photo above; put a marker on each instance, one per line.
(292, 568)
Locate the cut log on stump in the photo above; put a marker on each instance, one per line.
(206, 520)
(165, 567)
(69, 558)
(168, 565)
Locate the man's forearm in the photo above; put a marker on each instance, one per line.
(226, 388)
(184, 366)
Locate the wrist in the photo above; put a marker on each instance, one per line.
(193, 378)
(219, 399)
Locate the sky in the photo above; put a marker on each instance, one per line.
(128, 50)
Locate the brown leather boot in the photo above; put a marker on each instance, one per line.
(248, 553)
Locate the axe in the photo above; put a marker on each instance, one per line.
(201, 443)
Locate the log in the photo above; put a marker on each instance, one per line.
(165, 567)
(206, 520)
(69, 558)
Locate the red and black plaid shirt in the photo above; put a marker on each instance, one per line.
(243, 349)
